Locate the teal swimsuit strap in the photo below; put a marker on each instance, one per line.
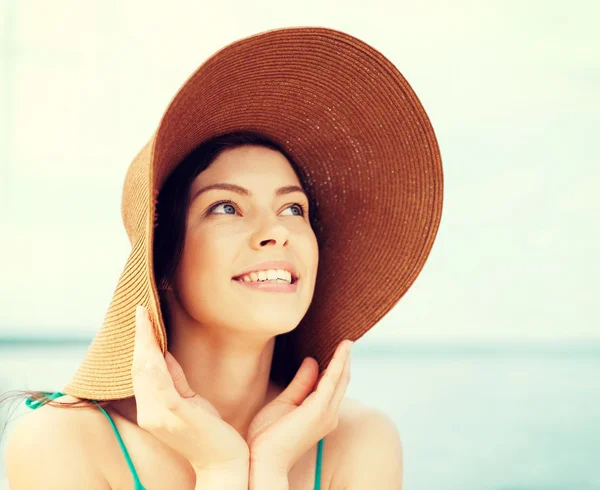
(38, 403)
(319, 464)
(52, 396)
(136, 479)
(138, 485)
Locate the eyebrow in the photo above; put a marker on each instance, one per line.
(288, 189)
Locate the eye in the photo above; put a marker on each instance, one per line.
(227, 205)
(300, 208)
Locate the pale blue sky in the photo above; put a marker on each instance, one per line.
(511, 88)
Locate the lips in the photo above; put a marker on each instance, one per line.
(269, 286)
(270, 265)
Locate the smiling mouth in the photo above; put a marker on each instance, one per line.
(294, 280)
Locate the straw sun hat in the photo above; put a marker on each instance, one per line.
(355, 127)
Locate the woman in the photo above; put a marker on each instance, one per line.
(224, 357)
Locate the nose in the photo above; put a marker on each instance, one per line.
(270, 232)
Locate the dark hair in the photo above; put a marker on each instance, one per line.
(170, 229)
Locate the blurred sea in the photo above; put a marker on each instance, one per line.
(506, 415)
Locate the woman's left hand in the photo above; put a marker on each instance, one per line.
(293, 422)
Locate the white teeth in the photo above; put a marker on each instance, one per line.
(285, 275)
(274, 275)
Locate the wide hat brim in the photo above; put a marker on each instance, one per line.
(356, 128)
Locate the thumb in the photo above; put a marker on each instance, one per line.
(302, 384)
(178, 376)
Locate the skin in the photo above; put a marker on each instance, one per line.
(223, 338)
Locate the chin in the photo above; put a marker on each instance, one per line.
(270, 323)
(275, 325)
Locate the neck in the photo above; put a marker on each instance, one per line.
(229, 369)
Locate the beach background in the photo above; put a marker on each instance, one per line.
(490, 364)
(472, 416)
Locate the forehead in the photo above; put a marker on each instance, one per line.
(248, 165)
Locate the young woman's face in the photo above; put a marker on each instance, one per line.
(267, 219)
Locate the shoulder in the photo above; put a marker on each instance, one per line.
(366, 448)
(50, 448)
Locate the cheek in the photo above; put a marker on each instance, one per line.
(207, 258)
(313, 245)
(315, 249)
(310, 255)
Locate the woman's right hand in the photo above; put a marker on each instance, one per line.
(169, 409)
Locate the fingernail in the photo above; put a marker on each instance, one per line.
(140, 314)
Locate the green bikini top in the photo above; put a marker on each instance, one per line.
(138, 485)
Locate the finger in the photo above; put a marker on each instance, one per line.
(319, 403)
(302, 384)
(178, 376)
(342, 386)
(184, 390)
(320, 399)
(146, 345)
(151, 379)
(153, 390)
(333, 372)
(145, 348)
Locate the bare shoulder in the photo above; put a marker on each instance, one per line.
(366, 449)
(356, 417)
(50, 448)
